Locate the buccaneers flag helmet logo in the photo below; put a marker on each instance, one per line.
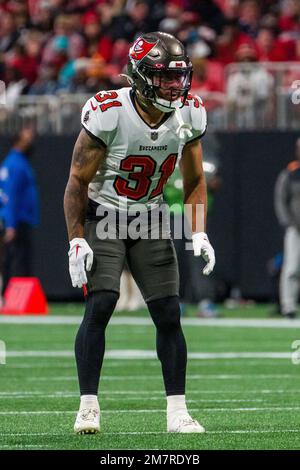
(141, 48)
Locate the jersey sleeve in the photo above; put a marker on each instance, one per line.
(198, 118)
(97, 123)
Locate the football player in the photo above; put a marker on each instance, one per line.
(128, 147)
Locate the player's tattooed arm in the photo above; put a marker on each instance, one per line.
(87, 156)
(194, 186)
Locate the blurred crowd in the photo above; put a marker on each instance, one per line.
(79, 46)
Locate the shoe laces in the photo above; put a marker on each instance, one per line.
(89, 414)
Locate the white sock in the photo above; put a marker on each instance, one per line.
(89, 401)
(176, 404)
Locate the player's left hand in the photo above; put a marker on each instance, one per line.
(203, 248)
(80, 261)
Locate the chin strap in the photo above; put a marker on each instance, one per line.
(184, 129)
(128, 78)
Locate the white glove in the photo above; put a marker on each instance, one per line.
(203, 248)
(80, 260)
(184, 129)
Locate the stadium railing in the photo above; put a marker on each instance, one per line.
(262, 95)
(257, 96)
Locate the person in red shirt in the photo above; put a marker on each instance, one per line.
(229, 42)
(27, 57)
(290, 20)
(269, 47)
(93, 35)
(207, 76)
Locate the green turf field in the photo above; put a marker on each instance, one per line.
(248, 402)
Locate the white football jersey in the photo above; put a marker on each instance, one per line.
(139, 158)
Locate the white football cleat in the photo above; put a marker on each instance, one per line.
(183, 423)
(87, 421)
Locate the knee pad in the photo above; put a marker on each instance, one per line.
(165, 312)
(100, 306)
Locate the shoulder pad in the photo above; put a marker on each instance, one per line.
(194, 113)
(104, 112)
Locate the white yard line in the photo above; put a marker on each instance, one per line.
(138, 377)
(22, 446)
(69, 363)
(61, 394)
(129, 398)
(139, 411)
(144, 321)
(122, 354)
(114, 363)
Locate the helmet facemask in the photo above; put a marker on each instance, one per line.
(166, 88)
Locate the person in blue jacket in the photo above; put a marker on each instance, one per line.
(18, 206)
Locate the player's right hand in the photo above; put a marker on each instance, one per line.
(80, 260)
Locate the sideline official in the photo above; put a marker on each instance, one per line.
(19, 206)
